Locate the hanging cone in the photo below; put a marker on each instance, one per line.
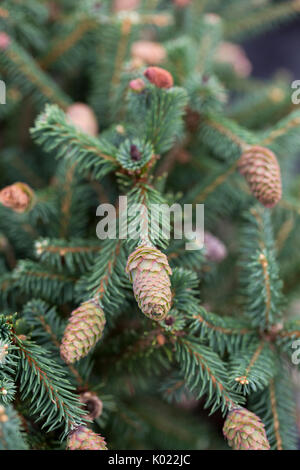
(262, 172)
(83, 438)
(92, 404)
(215, 250)
(84, 329)
(149, 271)
(245, 431)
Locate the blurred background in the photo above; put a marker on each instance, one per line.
(274, 50)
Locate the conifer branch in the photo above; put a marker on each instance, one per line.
(31, 76)
(76, 254)
(213, 185)
(252, 369)
(224, 137)
(12, 435)
(262, 18)
(49, 284)
(62, 46)
(92, 156)
(206, 374)
(261, 284)
(222, 332)
(275, 406)
(284, 128)
(47, 381)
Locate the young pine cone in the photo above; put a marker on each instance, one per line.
(83, 438)
(84, 329)
(4, 41)
(262, 172)
(82, 117)
(234, 55)
(92, 404)
(159, 77)
(215, 250)
(245, 431)
(120, 5)
(148, 52)
(149, 271)
(19, 197)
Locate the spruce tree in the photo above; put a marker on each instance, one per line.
(131, 343)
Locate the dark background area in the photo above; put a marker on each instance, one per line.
(276, 49)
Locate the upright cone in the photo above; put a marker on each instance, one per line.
(83, 438)
(149, 271)
(159, 77)
(84, 329)
(245, 431)
(262, 172)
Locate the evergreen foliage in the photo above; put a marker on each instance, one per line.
(229, 337)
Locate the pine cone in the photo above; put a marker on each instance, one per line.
(215, 250)
(3, 415)
(137, 85)
(159, 77)
(92, 403)
(234, 55)
(148, 52)
(245, 431)
(19, 197)
(84, 329)
(120, 5)
(262, 172)
(4, 41)
(83, 438)
(149, 271)
(83, 118)
(181, 3)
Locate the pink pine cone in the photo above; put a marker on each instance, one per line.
(245, 431)
(234, 55)
(215, 250)
(148, 52)
(120, 5)
(149, 271)
(137, 85)
(92, 404)
(159, 77)
(83, 438)
(83, 331)
(19, 197)
(182, 3)
(4, 41)
(261, 170)
(81, 116)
